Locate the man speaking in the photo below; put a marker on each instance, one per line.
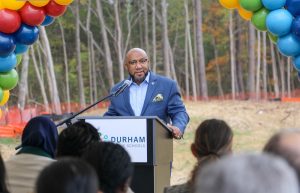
(149, 94)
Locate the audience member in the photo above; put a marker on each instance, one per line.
(213, 139)
(113, 166)
(3, 186)
(38, 147)
(74, 140)
(247, 173)
(67, 175)
(286, 144)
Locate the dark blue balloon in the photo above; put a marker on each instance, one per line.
(27, 34)
(8, 63)
(293, 6)
(7, 44)
(289, 45)
(21, 48)
(296, 27)
(48, 20)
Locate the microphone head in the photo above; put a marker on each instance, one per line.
(127, 82)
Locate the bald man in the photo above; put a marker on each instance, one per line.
(149, 95)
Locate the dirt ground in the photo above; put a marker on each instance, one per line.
(253, 123)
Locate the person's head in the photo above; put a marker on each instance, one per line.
(3, 187)
(213, 139)
(286, 144)
(68, 175)
(75, 139)
(137, 64)
(112, 164)
(247, 173)
(40, 132)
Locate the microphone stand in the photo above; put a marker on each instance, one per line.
(68, 120)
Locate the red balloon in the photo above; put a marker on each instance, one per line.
(53, 9)
(32, 15)
(10, 21)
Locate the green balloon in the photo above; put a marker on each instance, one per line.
(1, 94)
(19, 59)
(273, 37)
(259, 19)
(8, 80)
(251, 5)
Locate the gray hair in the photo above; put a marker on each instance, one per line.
(247, 173)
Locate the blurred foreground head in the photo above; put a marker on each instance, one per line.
(67, 175)
(112, 164)
(40, 132)
(248, 173)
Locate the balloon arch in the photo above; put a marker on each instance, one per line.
(19, 21)
(279, 18)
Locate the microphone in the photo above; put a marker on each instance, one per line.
(122, 87)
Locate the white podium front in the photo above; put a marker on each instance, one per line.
(148, 142)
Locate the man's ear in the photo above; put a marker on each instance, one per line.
(194, 150)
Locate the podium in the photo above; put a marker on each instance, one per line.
(149, 143)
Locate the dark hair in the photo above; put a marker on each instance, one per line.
(40, 132)
(68, 175)
(112, 164)
(74, 140)
(3, 187)
(213, 139)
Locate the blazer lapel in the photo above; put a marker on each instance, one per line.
(150, 90)
(127, 101)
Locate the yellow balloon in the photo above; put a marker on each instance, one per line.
(246, 15)
(0, 113)
(230, 4)
(1, 6)
(13, 4)
(5, 97)
(39, 3)
(63, 2)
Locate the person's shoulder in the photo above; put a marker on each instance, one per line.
(181, 188)
(162, 78)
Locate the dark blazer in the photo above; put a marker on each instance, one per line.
(162, 99)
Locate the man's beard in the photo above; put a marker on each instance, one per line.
(139, 80)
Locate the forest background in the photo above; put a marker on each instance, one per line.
(210, 51)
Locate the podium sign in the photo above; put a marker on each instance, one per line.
(149, 143)
(130, 133)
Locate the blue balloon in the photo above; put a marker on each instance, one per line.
(8, 63)
(289, 45)
(48, 20)
(273, 4)
(21, 48)
(296, 62)
(293, 6)
(27, 34)
(7, 44)
(279, 22)
(296, 27)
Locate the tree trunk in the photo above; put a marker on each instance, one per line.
(108, 59)
(232, 56)
(265, 72)
(200, 50)
(219, 79)
(119, 40)
(153, 36)
(146, 24)
(23, 83)
(40, 80)
(258, 66)
(50, 65)
(165, 39)
(274, 71)
(288, 77)
(251, 67)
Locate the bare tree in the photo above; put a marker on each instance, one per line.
(274, 71)
(232, 56)
(251, 67)
(265, 72)
(23, 83)
(258, 66)
(200, 50)
(119, 40)
(153, 36)
(165, 39)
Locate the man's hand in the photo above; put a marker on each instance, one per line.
(175, 131)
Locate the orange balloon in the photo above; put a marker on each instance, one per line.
(5, 97)
(0, 113)
(230, 4)
(63, 2)
(246, 15)
(39, 3)
(13, 4)
(1, 6)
